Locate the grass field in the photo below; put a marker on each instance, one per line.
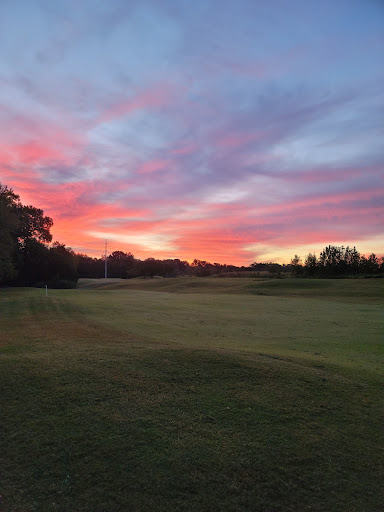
(193, 394)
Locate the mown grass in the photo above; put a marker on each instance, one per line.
(127, 400)
(344, 290)
(348, 334)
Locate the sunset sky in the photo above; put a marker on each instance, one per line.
(229, 131)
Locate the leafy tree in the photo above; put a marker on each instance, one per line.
(296, 265)
(370, 265)
(34, 262)
(180, 267)
(149, 267)
(62, 263)
(120, 263)
(296, 260)
(311, 265)
(89, 267)
(201, 268)
(25, 257)
(331, 259)
(352, 259)
(9, 224)
(33, 224)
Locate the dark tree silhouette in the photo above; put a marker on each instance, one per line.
(337, 261)
(25, 257)
(120, 263)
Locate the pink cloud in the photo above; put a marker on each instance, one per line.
(184, 150)
(30, 153)
(329, 175)
(153, 97)
(152, 166)
(238, 139)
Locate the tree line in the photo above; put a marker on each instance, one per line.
(29, 258)
(125, 265)
(337, 261)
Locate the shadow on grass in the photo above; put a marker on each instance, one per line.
(161, 429)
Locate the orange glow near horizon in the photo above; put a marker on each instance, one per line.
(216, 235)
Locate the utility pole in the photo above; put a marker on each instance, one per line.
(106, 260)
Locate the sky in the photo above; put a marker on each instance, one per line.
(228, 131)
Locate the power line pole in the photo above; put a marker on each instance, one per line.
(106, 260)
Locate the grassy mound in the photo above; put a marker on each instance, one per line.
(345, 290)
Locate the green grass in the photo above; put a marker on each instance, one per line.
(116, 398)
(344, 290)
